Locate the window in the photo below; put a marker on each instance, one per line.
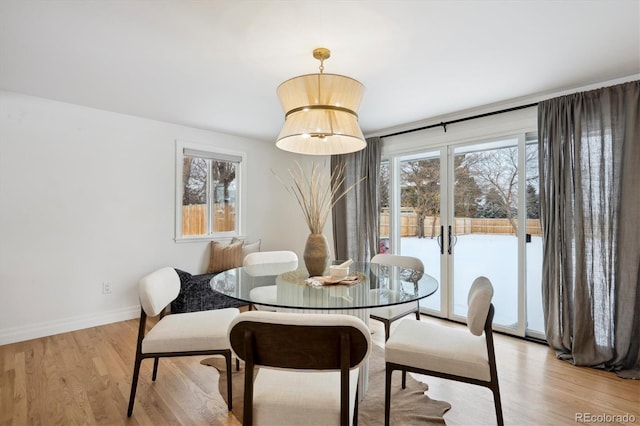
(208, 192)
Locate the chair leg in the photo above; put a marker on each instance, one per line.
(498, 404)
(237, 364)
(156, 361)
(418, 314)
(404, 379)
(134, 385)
(387, 395)
(355, 407)
(227, 357)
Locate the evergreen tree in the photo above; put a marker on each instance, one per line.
(533, 202)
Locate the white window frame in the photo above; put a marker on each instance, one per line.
(241, 179)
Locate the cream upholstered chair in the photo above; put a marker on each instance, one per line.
(446, 352)
(389, 314)
(308, 366)
(281, 261)
(184, 334)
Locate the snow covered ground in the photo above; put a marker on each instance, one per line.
(495, 257)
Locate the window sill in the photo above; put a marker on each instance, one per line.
(208, 238)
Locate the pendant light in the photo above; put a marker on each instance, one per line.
(321, 112)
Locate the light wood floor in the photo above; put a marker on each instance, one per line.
(84, 377)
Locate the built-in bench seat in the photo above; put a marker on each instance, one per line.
(196, 293)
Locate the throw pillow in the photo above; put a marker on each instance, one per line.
(184, 276)
(250, 248)
(224, 257)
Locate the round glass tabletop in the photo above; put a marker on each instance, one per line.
(285, 285)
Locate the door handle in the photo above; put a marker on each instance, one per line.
(528, 238)
(440, 239)
(452, 240)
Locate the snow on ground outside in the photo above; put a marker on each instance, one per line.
(495, 257)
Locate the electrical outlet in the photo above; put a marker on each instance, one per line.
(106, 287)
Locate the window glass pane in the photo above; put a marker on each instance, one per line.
(420, 215)
(383, 244)
(485, 226)
(194, 196)
(535, 319)
(224, 196)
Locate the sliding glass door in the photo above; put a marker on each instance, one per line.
(484, 225)
(459, 209)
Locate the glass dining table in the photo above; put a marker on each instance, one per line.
(368, 285)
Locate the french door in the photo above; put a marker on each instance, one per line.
(471, 210)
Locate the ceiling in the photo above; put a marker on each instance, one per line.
(216, 64)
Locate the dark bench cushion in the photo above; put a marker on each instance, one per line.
(196, 295)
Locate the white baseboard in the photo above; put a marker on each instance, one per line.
(49, 328)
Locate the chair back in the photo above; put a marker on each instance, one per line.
(264, 263)
(300, 341)
(479, 302)
(158, 289)
(408, 262)
(260, 257)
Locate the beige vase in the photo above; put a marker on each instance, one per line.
(316, 254)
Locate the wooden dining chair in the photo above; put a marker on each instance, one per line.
(308, 366)
(183, 334)
(449, 353)
(389, 314)
(281, 261)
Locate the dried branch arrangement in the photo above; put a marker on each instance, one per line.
(316, 194)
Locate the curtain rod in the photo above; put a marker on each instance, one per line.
(444, 124)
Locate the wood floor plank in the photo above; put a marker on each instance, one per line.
(20, 390)
(7, 380)
(8, 360)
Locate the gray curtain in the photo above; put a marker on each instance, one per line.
(590, 211)
(356, 216)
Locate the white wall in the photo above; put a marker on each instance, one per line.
(88, 196)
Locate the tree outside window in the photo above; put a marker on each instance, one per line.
(486, 185)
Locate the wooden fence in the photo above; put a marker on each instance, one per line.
(194, 222)
(462, 225)
(194, 218)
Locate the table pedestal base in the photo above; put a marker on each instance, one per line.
(363, 314)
